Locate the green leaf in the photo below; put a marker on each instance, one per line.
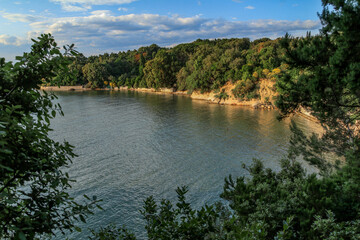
(5, 167)
(21, 236)
(82, 219)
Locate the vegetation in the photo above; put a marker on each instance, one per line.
(34, 201)
(203, 65)
(318, 73)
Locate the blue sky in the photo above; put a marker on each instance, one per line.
(98, 26)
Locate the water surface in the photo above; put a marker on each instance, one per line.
(132, 145)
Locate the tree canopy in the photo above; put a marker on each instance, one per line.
(34, 198)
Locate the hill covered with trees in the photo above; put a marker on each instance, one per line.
(204, 65)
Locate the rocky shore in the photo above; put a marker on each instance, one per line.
(266, 92)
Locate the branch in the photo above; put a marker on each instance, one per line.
(9, 182)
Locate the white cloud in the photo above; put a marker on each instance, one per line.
(123, 9)
(250, 7)
(94, 2)
(10, 40)
(73, 8)
(101, 13)
(84, 5)
(102, 30)
(18, 17)
(237, 1)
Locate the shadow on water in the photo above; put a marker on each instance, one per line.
(132, 145)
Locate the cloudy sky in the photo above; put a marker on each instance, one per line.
(98, 26)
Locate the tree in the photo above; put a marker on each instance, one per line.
(324, 77)
(181, 222)
(222, 95)
(33, 185)
(161, 71)
(95, 73)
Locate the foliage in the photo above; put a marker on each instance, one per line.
(182, 222)
(160, 71)
(203, 65)
(222, 95)
(111, 232)
(274, 197)
(243, 88)
(33, 185)
(95, 74)
(331, 230)
(324, 77)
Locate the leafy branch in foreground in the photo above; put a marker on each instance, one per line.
(34, 199)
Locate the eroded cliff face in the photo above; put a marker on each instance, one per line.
(266, 92)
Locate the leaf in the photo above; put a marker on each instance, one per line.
(55, 51)
(5, 167)
(82, 219)
(21, 236)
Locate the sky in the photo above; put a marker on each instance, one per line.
(98, 26)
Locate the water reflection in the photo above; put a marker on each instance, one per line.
(132, 145)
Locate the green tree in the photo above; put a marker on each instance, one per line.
(33, 185)
(111, 232)
(95, 73)
(324, 77)
(222, 95)
(161, 71)
(181, 222)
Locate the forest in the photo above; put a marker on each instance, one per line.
(319, 72)
(204, 65)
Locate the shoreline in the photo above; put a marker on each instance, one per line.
(196, 95)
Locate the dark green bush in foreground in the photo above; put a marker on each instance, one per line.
(34, 199)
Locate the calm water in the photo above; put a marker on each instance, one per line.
(132, 145)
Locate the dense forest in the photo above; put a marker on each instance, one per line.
(203, 65)
(320, 72)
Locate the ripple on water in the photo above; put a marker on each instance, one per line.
(133, 145)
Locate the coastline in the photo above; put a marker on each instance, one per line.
(196, 95)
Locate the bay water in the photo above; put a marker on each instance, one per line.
(131, 145)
